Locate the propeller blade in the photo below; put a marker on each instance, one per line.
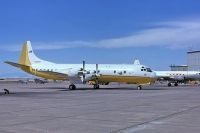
(84, 79)
(83, 65)
(97, 71)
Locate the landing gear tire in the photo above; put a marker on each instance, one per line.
(139, 87)
(175, 84)
(96, 86)
(169, 84)
(72, 87)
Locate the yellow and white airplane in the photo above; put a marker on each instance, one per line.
(76, 73)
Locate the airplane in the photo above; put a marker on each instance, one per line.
(82, 73)
(40, 81)
(23, 81)
(175, 77)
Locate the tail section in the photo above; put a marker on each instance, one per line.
(27, 55)
(24, 58)
(30, 63)
(136, 62)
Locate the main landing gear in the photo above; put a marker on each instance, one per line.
(170, 84)
(176, 84)
(139, 87)
(72, 87)
(96, 86)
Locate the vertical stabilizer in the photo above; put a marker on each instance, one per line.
(136, 62)
(24, 59)
(27, 55)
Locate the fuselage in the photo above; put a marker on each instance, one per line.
(137, 74)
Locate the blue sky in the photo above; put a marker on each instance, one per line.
(158, 32)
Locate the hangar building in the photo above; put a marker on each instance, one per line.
(179, 68)
(193, 60)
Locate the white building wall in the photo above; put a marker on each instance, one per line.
(193, 60)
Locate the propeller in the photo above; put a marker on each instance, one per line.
(97, 71)
(83, 65)
(83, 73)
(84, 81)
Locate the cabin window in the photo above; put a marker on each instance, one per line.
(142, 69)
(114, 71)
(145, 69)
(124, 71)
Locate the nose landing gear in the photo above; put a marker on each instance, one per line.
(72, 87)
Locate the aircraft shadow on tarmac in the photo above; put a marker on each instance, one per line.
(114, 89)
(102, 88)
(63, 89)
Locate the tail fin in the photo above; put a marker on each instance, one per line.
(27, 55)
(136, 62)
(27, 58)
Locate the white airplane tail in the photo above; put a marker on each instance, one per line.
(136, 62)
(27, 55)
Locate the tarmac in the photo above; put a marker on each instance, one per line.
(51, 108)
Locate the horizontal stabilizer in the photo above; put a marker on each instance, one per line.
(14, 64)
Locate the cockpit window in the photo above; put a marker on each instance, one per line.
(149, 70)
